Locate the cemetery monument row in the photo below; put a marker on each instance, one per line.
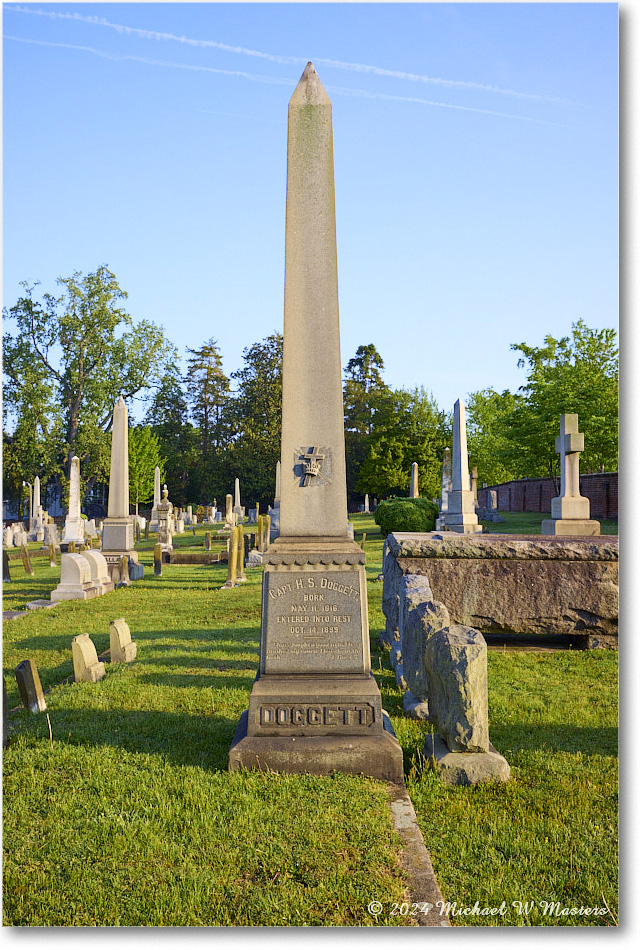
(315, 706)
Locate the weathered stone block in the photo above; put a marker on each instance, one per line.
(465, 768)
(458, 688)
(87, 667)
(419, 618)
(121, 647)
(99, 571)
(516, 584)
(30, 688)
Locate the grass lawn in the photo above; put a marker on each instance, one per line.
(130, 802)
(530, 522)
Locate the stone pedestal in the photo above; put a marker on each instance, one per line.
(315, 706)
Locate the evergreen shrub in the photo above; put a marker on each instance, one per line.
(406, 514)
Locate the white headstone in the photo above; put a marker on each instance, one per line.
(570, 511)
(460, 516)
(75, 579)
(74, 528)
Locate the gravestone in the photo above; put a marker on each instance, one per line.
(366, 505)
(460, 516)
(75, 579)
(164, 522)
(570, 511)
(473, 486)
(121, 647)
(414, 481)
(7, 538)
(232, 561)
(314, 706)
(30, 688)
(6, 573)
(26, 561)
(230, 516)
(87, 667)
(74, 526)
(446, 486)
(157, 497)
(118, 527)
(52, 556)
(158, 560)
(238, 510)
(100, 577)
(240, 546)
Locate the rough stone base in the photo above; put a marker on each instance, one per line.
(378, 756)
(413, 708)
(465, 768)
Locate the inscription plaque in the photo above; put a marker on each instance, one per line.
(313, 622)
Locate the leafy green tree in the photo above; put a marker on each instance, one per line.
(207, 393)
(256, 421)
(490, 445)
(575, 374)
(144, 456)
(87, 351)
(178, 439)
(363, 391)
(408, 427)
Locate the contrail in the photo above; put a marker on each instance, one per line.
(274, 80)
(285, 60)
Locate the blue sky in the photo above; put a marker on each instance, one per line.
(476, 170)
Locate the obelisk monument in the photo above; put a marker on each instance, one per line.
(315, 706)
(153, 521)
(74, 528)
(118, 530)
(460, 516)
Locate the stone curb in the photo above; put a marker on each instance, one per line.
(415, 860)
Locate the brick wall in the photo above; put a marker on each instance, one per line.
(535, 494)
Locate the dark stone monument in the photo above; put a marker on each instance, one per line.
(6, 573)
(31, 692)
(158, 559)
(315, 706)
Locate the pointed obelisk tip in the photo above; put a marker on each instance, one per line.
(310, 90)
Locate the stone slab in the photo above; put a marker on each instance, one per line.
(176, 556)
(465, 768)
(378, 756)
(566, 527)
(40, 604)
(530, 585)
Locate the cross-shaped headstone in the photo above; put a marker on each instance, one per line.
(568, 444)
(311, 464)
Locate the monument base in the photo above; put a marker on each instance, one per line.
(465, 768)
(571, 528)
(377, 756)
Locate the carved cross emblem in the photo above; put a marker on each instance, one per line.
(312, 460)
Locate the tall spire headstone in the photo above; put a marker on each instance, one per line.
(315, 706)
(460, 516)
(74, 528)
(118, 528)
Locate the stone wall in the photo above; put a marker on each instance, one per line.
(535, 494)
(512, 584)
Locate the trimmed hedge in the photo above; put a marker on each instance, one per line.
(406, 514)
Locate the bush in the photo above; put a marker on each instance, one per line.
(406, 514)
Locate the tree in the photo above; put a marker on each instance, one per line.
(408, 427)
(363, 390)
(255, 420)
(207, 392)
(178, 440)
(575, 374)
(86, 351)
(144, 456)
(490, 445)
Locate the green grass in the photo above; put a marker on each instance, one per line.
(530, 522)
(130, 802)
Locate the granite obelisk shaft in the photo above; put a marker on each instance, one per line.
(312, 386)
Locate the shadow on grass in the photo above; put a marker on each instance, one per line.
(182, 739)
(554, 738)
(191, 679)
